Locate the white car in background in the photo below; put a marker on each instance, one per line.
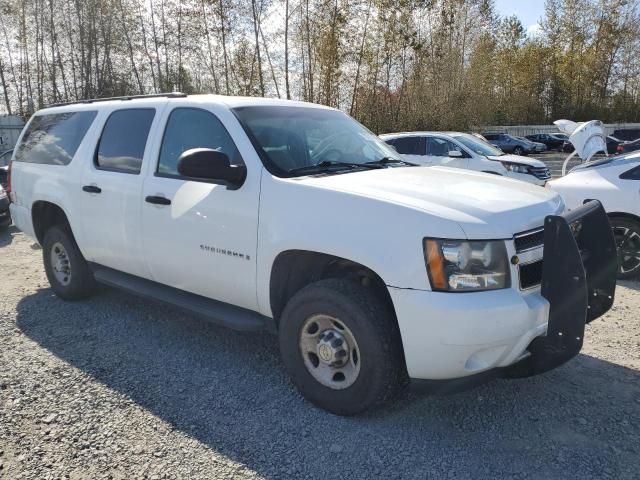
(464, 150)
(615, 181)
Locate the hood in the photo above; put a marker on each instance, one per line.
(485, 206)
(588, 138)
(532, 162)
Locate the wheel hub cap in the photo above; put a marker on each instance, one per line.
(329, 351)
(331, 348)
(60, 264)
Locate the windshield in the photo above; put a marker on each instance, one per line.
(477, 145)
(290, 138)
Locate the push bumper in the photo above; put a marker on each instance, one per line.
(455, 335)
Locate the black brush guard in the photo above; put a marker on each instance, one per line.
(579, 281)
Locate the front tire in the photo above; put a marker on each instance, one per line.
(627, 236)
(518, 151)
(67, 270)
(341, 346)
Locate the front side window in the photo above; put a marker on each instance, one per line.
(290, 138)
(189, 128)
(439, 147)
(53, 139)
(123, 140)
(409, 145)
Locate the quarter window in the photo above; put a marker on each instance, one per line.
(123, 140)
(409, 145)
(189, 128)
(633, 174)
(54, 139)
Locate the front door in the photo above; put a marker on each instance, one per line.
(200, 236)
(438, 152)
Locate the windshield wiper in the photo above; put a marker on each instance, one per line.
(389, 161)
(330, 165)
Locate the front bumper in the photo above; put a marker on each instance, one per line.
(454, 335)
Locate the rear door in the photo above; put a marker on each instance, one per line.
(112, 188)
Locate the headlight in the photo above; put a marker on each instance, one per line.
(460, 266)
(515, 167)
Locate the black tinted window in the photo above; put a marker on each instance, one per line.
(409, 145)
(54, 139)
(189, 128)
(633, 174)
(123, 139)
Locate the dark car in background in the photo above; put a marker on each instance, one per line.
(5, 158)
(5, 215)
(612, 145)
(510, 144)
(553, 141)
(626, 147)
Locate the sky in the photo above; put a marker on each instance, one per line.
(528, 11)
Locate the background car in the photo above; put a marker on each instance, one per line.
(464, 150)
(5, 158)
(626, 147)
(615, 181)
(537, 146)
(510, 144)
(5, 217)
(553, 141)
(612, 145)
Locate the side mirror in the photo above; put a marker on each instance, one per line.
(455, 154)
(208, 164)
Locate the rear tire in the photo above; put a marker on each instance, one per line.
(518, 151)
(627, 236)
(355, 319)
(67, 270)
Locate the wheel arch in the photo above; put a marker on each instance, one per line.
(44, 215)
(626, 215)
(294, 269)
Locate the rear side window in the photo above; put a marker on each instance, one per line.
(409, 145)
(54, 139)
(633, 174)
(189, 128)
(123, 140)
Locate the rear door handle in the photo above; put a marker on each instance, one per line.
(91, 189)
(157, 200)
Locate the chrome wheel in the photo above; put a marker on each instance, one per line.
(330, 351)
(628, 244)
(60, 264)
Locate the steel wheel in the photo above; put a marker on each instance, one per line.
(60, 263)
(628, 244)
(330, 351)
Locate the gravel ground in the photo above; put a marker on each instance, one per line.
(117, 387)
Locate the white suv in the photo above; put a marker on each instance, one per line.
(463, 150)
(291, 217)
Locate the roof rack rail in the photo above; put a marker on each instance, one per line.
(128, 97)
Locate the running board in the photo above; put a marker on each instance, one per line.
(220, 313)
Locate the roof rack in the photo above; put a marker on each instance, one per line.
(128, 97)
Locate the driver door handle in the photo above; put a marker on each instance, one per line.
(91, 189)
(157, 200)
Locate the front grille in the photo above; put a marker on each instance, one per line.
(531, 275)
(542, 173)
(528, 240)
